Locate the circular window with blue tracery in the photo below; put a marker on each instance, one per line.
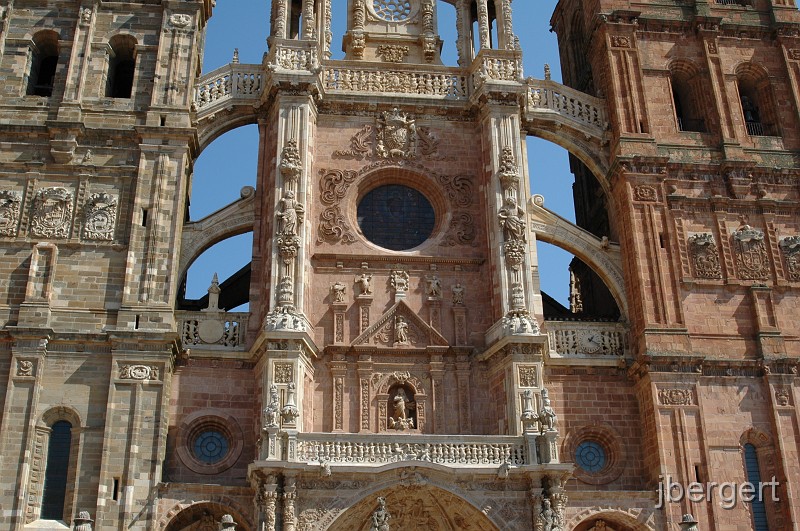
(590, 456)
(392, 10)
(396, 217)
(210, 447)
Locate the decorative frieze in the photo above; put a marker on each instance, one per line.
(392, 53)
(139, 372)
(100, 217)
(751, 253)
(704, 256)
(52, 213)
(442, 85)
(676, 397)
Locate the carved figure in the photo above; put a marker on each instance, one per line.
(380, 518)
(547, 415)
(549, 517)
(24, 368)
(434, 287)
(512, 221)
(291, 165)
(273, 408)
(364, 283)
(290, 215)
(688, 523)
(400, 331)
(227, 523)
(458, 294)
(338, 290)
(400, 406)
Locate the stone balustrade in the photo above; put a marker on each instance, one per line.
(586, 339)
(231, 83)
(450, 450)
(575, 106)
(215, 329)
(294, 56)
(496, 66)
(445, 83)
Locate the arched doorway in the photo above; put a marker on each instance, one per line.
(204, 516)
(606, 519)
(422, 508)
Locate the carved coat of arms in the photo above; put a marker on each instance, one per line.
(9, 212)
(751, 253)
(101, 217)
(396, 136)
(52, 213)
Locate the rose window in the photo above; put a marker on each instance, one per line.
(210, 447)
(590, 456)
(396, 217)
(392, 10)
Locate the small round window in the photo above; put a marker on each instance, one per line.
(210, 447)
(396, 217)
(590, 456)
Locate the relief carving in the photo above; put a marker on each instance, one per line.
(364, 283)
(704, 256)
(509, 172)
(101, 217)
(52, 213)
(619, 41)
(791, 251)
(291, 166)
(458, 294)
(10, 203)
(290, 215)
(284, 373)
(360, 145)
(333, 226)
(527, 376)
(751, 253)
(645, 193)
(399, 281)
(337, 292)
(392, 54)
(461, 232)
(138, 372)
(676, 397)
(512, 221)
(782, 396)
(25, 367)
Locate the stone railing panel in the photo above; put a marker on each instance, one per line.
(231, 82)
(219, 329)
(576, 106)
(444, 84)
(586, 339)
(379, 450)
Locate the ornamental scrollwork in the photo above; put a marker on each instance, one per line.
(791, 251)
(333, 226)
(139, 372)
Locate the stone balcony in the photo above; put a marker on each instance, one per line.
(587, 340)
(206, 330)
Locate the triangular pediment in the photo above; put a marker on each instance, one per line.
(400, 327)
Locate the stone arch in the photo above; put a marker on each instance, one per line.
(400, 378)
(177, 516)
(756, 437)
(602, 256)
(579, 143)
(57, 413)
(212, 125)
(198, 236)
(620, 519)
(418, 501)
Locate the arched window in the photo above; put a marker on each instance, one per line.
(757, 506)
(56, 471)
(121, 66)
(44, 60)
(755, 97)
(687, 97)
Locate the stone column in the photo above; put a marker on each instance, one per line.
(289, 498)
(327, 29)
(267, 497)
(462, 377)
(309, 22)
(280, 16)
(463, 26)
(338, 372)
(505, 26)
(483, 24)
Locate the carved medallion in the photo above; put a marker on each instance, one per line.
(782, 396)
(52, 213)
(180, 20)
(284, 373)
(751, 253)
(25, 367)
(791, 251)
(9, 212)
(101, 217)
(705, 256)
(645, 193)
(396, 136)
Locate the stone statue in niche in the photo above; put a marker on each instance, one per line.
(434, 287)
(458, 294)
(547, 415)
(364, 283)
(512, 221)
(400, 420)
(337, 292)
(290, 215)
(380, 518)
(272, 411)
(549, 517)
(400, 331)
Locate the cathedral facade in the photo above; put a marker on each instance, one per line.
(399, 366)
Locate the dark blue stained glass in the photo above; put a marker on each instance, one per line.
(210, 447)
(55, 475)
(754, 477)
(396, 217)
(590, 456)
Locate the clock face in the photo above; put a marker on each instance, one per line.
(392, 10)
(591, 342)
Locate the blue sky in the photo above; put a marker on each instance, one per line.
(230, 162)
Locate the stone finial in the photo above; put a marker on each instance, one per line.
(546, 71)
(289, 413)
(82, 522)
(213, 295)
(688, 523)
(227, 523)
(235, 59)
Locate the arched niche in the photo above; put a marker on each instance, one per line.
(204, 516)
(386, 392)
